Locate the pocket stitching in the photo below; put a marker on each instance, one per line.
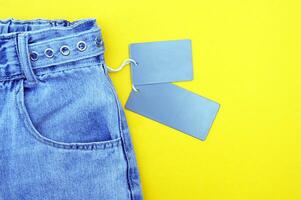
(19, 98)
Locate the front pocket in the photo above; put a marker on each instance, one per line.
(72, 109)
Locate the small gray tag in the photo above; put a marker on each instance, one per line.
(174, 107)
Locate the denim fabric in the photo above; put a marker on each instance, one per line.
(63, 132)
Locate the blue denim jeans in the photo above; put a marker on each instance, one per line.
(63, 132)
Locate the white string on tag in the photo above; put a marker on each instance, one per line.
(123, 64)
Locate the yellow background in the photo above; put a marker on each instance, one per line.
(246, 56)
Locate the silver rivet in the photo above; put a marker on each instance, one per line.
(65, 50)
(49, 53)
(33, 56)
(98, 42)
(81, 46)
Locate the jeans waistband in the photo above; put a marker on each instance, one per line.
(35, 44)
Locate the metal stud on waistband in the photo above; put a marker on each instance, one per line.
(33, 56)
(65, 50)
(98, 42)
(49, 53)
(81, 46)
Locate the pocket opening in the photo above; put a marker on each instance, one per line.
(26, 119)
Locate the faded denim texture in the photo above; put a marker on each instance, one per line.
(63, 132)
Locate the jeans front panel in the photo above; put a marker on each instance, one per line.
(66, 136)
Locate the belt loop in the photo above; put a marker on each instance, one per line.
(24, 58)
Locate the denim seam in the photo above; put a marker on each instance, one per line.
(17, 52)
(121, 135)
(25, 64)
(89, 64)
(13, 77)
(101, 145)
(21, 76)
